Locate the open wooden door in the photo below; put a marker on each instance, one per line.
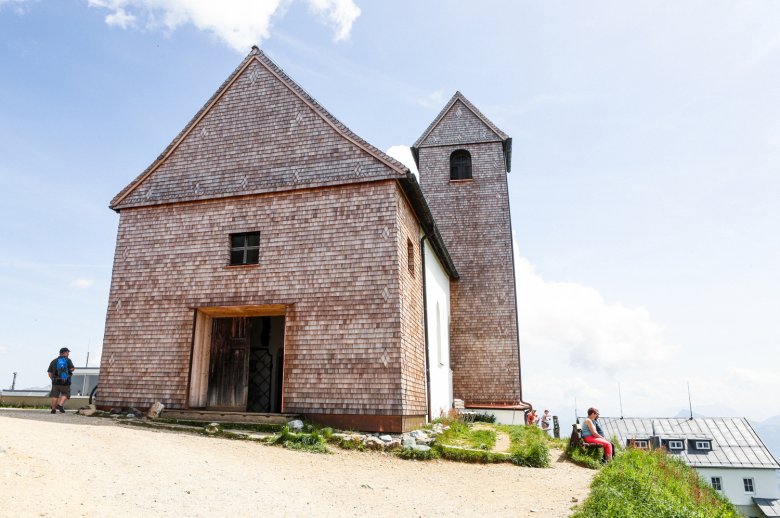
(229, 364)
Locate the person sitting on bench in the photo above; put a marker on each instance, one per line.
(591, 435)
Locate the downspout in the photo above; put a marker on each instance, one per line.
(425, 325)
(514, 278)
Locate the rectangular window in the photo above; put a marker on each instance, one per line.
(638, 443)
(749, 487)
(675, 445)
(410, 256)
(703, 445)
(716, 485)
(245, 248)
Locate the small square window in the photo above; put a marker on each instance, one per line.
(245, 248)
(676, 445)
(716, 484)
(702, 445)
(748, 483)
(639, 443)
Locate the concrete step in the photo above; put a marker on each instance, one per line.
(227, 417)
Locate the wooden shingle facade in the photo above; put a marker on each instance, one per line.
(473, 216)
(327, 322)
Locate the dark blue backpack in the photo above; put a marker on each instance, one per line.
(63, 372)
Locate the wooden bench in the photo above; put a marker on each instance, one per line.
(576, 439)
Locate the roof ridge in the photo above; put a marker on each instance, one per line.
(258, 55)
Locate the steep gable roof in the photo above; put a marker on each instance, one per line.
(259, 132)
(460, 122)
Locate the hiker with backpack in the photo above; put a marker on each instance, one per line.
(60, 371)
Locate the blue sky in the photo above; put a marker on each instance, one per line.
(644, 181)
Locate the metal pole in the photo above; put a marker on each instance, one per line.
(690, 405)
(13, 383)
(620, 395)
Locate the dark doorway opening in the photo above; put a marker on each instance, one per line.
(246, 364)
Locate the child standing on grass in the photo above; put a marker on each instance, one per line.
(591, 436)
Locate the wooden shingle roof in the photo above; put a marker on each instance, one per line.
(479, 129)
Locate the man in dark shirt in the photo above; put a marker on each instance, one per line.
(60, 380)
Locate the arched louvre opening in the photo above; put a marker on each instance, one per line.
(460, 165)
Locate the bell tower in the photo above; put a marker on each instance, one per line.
(463, 160)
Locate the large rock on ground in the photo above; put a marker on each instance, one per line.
(296, 425)
(155, 410)
(374, 443)
(88, 410)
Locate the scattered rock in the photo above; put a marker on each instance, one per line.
(374, 443)
(408, 441)
(88, 410)
(132, 410)
(296, 425)
(386, 438)
(427, 441)
(130, 416)
(420, 447)
(155, 410)
(575, 499)
(116, 411)
(419, 434)
(395, 444)
(212, 428)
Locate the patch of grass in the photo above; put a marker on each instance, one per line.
(471, 455)
(461, 434)
(641, 483)
(529, 445)
(250, 427)
(589, 457)
(22, 405)
(412, 454)
(312, 442)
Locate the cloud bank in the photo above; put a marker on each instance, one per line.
(238, 23)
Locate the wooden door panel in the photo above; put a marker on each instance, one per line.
(229, 366)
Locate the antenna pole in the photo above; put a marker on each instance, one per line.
(576, 416)
(13, 383)
(690, 405)
(620, 395)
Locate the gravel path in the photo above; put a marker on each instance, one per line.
(111, 468)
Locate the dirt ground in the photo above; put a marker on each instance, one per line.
(69, 465)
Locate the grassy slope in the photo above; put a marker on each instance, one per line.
(638, 484)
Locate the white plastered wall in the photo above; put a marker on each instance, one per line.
(437, 285)
(764, 483)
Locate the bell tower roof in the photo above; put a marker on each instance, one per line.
(460, 122)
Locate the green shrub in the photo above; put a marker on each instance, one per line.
(638, 484)
(529, 446)
(413, 454)
(484, 417)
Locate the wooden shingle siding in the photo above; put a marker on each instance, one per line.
(331, 255)
(412, 317)
(473, 217)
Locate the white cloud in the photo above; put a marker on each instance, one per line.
(120, 18)
(404, 155)
(81, 283)
(238, 23)
(433, 100)
(340, 14)
(577, 320)
(3, 349)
